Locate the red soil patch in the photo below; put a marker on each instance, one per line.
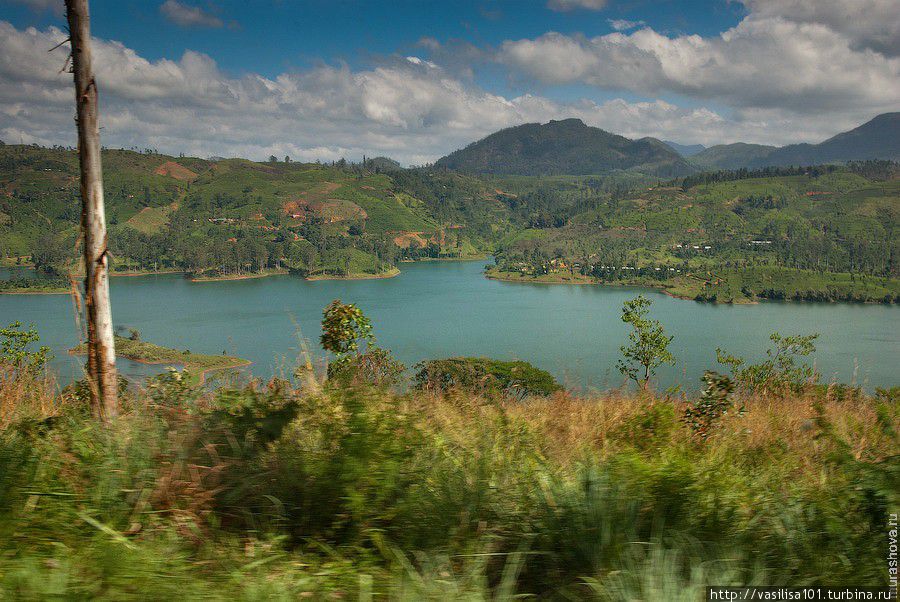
(405, 240)
(174, 170)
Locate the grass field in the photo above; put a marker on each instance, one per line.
(269, 492)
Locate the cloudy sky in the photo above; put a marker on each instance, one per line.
(415, 79)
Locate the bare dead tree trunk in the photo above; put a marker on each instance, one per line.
(101, 346)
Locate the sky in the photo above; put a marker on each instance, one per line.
(416, 79)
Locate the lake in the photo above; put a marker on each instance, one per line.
(442, 309)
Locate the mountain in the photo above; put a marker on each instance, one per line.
(875, 139)
(383, 164)
(685, 150)
(564, 147)
(731, 156)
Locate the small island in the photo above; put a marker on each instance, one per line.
(34, 286)
(195, 365)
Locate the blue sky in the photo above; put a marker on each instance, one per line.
(269, 36)
(421, 78)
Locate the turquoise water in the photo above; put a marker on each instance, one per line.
(444, 309)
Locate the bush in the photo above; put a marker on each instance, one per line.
(484, 376)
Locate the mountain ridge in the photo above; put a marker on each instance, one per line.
(564, 147)
(878, 138)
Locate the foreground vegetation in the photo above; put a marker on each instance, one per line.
(461, 487)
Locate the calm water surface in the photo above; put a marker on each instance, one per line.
(439, 309)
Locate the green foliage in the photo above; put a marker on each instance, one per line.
(374, 366)
(563, 147)
(780, 369)
(517, 379)
(14, 348)
(344, 327)
(714, 403)
(648, 346)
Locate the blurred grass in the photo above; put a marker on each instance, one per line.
(266, 492)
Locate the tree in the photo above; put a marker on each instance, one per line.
(780, 369)
(14, 351)
(648, 346)
(101, 346)
(273, 159)
(344, 326)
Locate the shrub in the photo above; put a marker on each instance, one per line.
(714, 403)
(781, 368)
(517, 379)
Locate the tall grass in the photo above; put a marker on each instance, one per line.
(262, 491)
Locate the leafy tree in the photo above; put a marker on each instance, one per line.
(273, 159)
(14, 350)
(781, 367)
(344, 326)
(648, 346)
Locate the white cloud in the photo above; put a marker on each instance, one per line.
(623, 24)
(188, 16)
(412, 112)
(568, 5)
(872, 24)
(763, 62)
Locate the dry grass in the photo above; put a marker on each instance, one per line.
(25, 396)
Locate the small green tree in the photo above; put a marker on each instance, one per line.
(648, 346)
(14, 350)
(781, 367)
(344, 327)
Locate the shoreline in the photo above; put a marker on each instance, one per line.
(389, 274)
(27, 292)
(138, 274)
(428, 259)
(201, 374)
(242, 363)
(232, 277)
(501, 277)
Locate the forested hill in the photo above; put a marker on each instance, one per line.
(239, 218)
(564, 147)
(875, 139)
(236, 216)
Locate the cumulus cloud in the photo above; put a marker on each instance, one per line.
(766, 61)
(412, 112)
(188, 16)
(623, 24)
(568, 5)
(867, 24)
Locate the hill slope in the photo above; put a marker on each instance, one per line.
(878, 138)
(685, 150)
(564, 147)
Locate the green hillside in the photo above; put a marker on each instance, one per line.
(826, 234)
(564, 147)
(237, 218)
(878, 138)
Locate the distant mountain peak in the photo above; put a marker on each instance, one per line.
(878, 138)
(564, 146)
